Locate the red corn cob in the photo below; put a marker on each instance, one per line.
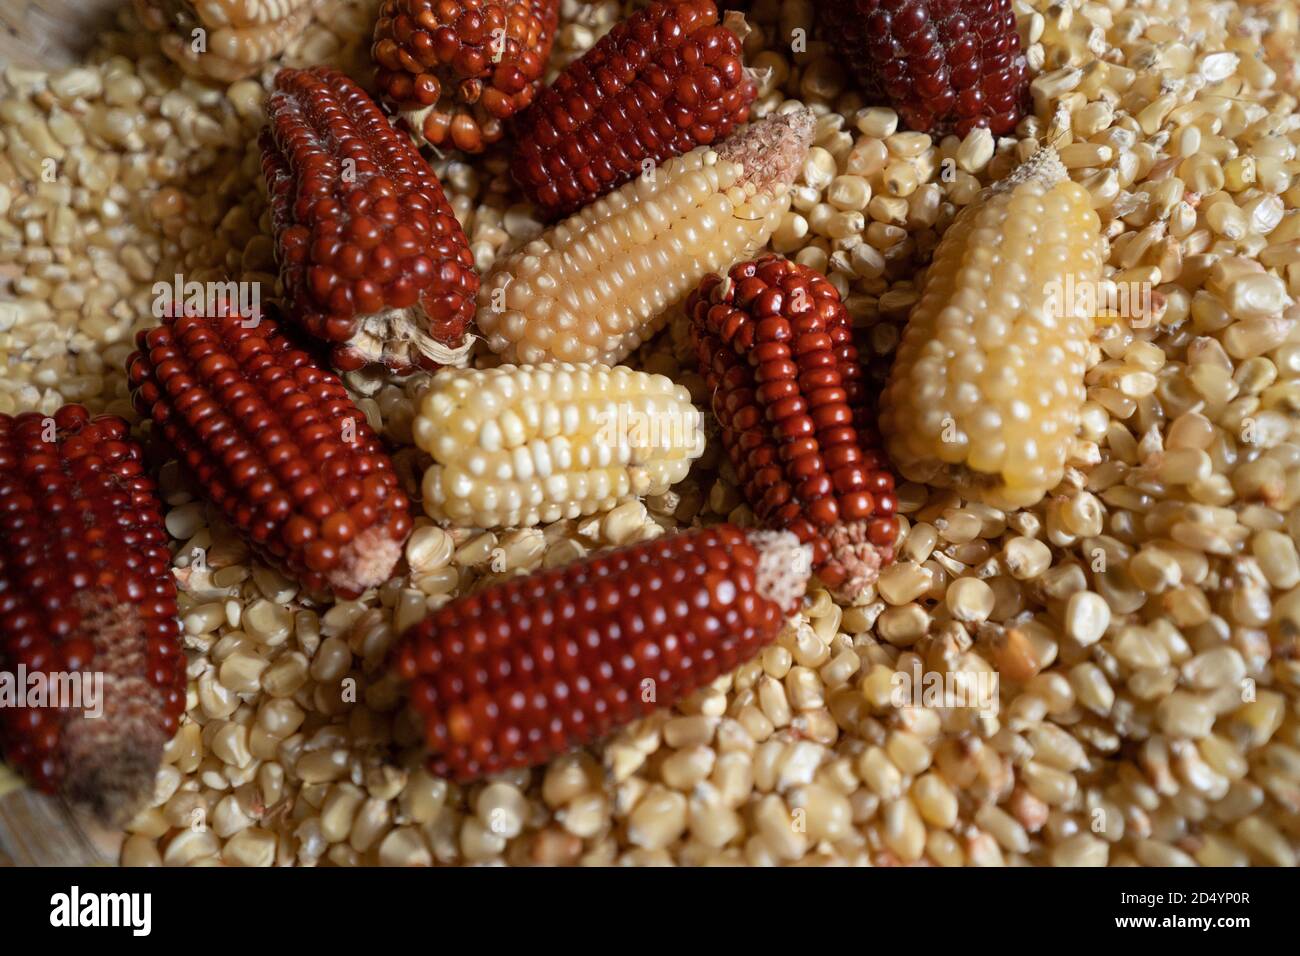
(457, 68)
(945, 65)
(659, 84)
(276, 445)
(372, 258)
(85, 587)
(523, 670)
(776, 347)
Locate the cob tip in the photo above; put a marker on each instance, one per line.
(111, 758)
(113, 781)
(784, 566)
(366, 562)
(1044, 167)
(853, 553)
(381, 334)
(772, 150)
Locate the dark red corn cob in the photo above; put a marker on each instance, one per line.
(519, 672)
(86, 587)
(776, 347)
(456, 69)
(659, 84)
(276, 445)
(371, 256)
(944, 65)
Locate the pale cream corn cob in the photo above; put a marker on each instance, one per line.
(987, 387)
(225, 40)
(598, 284)
(522, 445)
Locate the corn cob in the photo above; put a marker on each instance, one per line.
(660, 83)
(987, 387)
(224, 40)
(85, 588)
(456, 69)
(371, 256)
(597, 285)
(944, 65)
(276, 445)
(776, 348)
(522, 445)
(521, 671)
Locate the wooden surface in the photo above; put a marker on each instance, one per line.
(39, 830)
(51, 33)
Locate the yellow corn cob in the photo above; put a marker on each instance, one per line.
(522, 445)
(225, 40)
(986, 391)
(597, 285)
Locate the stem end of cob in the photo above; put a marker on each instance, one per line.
(113, 781)
(113, 756)
(854, 557)
(366, 563)
(1044, 167)
(397, 339)
(772, 150)
(784, 566)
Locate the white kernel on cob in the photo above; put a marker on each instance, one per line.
(522, 445)
(598, 284)
(988, 384)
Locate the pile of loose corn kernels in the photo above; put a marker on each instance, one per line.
(1144, 619)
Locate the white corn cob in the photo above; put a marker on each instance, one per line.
(522, 445)
(987, 388)
(597, 285)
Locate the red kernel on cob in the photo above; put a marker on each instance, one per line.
(659, 84)
(277, 445)
(944, 65)
(776, 347)
(86, 587)
(523, 670)
(457, 68)
(371, 255)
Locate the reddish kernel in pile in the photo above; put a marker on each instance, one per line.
(944, 65)
(362, 228)
(86, 587)
(276, 445)
(462, 66)
(775, 344)
(525, 669)
(659, 84)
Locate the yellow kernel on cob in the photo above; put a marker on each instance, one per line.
(239, 36)
(522, 445)
(598, 284)
(988, 384)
